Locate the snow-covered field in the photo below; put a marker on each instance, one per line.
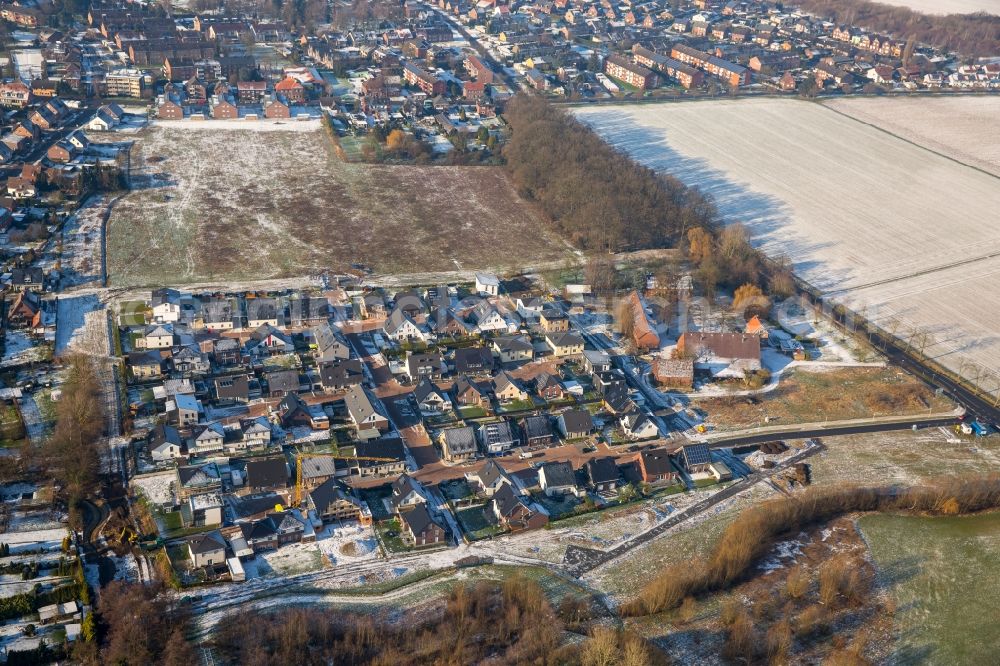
(156, 487)
(19, 348)
(82, 256)
(965, 128)
(947, 6)
(885, 226)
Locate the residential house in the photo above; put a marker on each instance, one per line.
(193, 480)
(695, 458)
(379, 457)
(273, 531)
(506, 389)
(458, 444)
(156, 336)
(329, 344)
(514, 348)
(400, 327)
(487, 284)
(513, 513)
(231, 390)
(595, 361)
(575, 423)
(655, 467)
(254, 434)
(557, 479)
(548, 387)
(267, 475)
(339, 374)
(536, 431)
(553, 321)
(294, 412)
(638, 426)
(490, 477)
(496, 438)
(164, 443)
(282, 382)
(207, 550)
(469, 393)
(208, 439)
(564, 344)
(602, 474)
(407, 493)
(424, 365)
(183, 410)
(365, 412)
(266, 340)
(420, 528)
(145, 364)
(487, 319)
(26, 311)
(473, 361)
(332, 502)
(430, 399)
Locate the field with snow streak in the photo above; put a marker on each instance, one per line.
(885, 226)
(964, 128)
(942, 7)
(228, 201)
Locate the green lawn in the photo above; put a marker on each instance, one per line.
(472, 412)
(518, 405)
(944, 573)
(389, 532)
(475, 525)
(172, 520)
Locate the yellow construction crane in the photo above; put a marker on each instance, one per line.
(332, 456)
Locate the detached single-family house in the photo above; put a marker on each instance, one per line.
(557, 479)
(513, 513)
(575, 423)
(473, 361)
(209, 439)
(655, 467)
(365, 412)
(495, 438)
(207, 550)
(536, 431)
(430, 399)
(490, 478)
(487, 284)
(421, 365)
(469, 393)
(407, 493)
(339, 374)
(164, 443)
(400, 327)
(145, 364)
(156, 336)
(507, 390)
(266, 340)
(696, 458)
(602, 474)
(420, 528)
(548, 387)
(638, 426)
(458, 443)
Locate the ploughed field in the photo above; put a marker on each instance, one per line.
(896, 229)
(213, 202)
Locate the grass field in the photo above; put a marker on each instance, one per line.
(943, 575)
(808, 396)
(214, 202)
(911, 247)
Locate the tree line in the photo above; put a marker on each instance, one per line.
(968, 34)
(748, 539)
(593, 194)
(511, 622)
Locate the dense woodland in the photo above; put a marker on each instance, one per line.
(968, 34)
(597, 197)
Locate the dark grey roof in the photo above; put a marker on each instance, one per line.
(656, 461)
(513, 343)
(327, 493)
(473, 360)
(359, 404)
(577, 420)
(460, 440)
(601, 470)
(558, 474)
(207, 543)
(343, 372)
(391, 447)
(490, 472)
(696, 454)
(565, 339)
(536, 427)
(267, 473)
(286, 381)
(163, 434)
(506, 500)
(418, 519)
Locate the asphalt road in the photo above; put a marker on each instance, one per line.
(832, 430)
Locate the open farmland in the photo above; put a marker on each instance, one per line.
(964, 128)
(213, 201)
(887, 227)
(942, 572)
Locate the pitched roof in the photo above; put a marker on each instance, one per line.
(696, 454)
(203, 544)
(557, 474)
(602, 470)
(656, 461)
(459, 441)
(577, 420)
(267, 473)
(418, 519)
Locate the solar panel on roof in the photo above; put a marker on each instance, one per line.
(697, 455)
